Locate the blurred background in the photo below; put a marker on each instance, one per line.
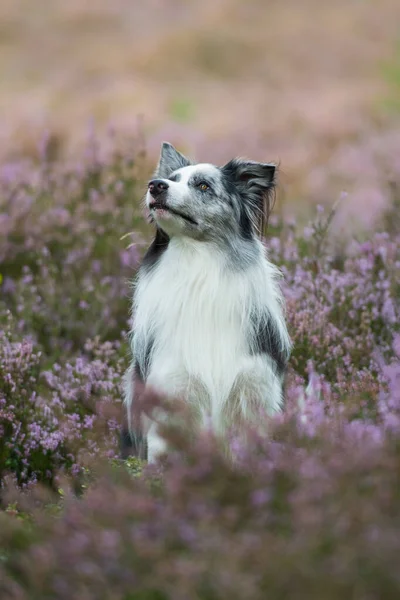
(312, 84)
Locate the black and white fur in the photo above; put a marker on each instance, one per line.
(208, 313)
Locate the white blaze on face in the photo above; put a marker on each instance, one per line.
(202, 169)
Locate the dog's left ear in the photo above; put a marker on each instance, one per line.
(256, 181)
(251, 173)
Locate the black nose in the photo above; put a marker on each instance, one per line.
(157, 187)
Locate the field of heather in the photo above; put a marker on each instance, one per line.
(87, 94)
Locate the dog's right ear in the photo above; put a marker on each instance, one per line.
(170, 161)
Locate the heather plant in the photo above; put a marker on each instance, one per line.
(342, 304)
(61, 251)
(310, 512)
(48, 416)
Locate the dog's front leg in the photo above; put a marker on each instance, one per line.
(171, 381)
(156, 445)
(132, 437)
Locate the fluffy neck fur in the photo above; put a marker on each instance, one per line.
(193, 307)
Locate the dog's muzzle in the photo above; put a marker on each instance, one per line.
(158, 187)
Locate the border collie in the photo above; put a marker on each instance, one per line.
(208, 313)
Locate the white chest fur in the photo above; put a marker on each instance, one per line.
(195, 314)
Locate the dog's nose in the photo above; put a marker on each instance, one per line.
(157, 187)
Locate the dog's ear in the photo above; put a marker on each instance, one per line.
(251, 173)
(170, 161)
(256, 183)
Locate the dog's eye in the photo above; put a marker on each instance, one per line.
(203, 186)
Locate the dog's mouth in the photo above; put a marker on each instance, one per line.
(162, 206)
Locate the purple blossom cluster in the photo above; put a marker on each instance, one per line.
(343, 302)
(310, 512)
(49, 415)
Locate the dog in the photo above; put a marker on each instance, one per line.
(208, 313)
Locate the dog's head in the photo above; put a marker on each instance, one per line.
(204, 201)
